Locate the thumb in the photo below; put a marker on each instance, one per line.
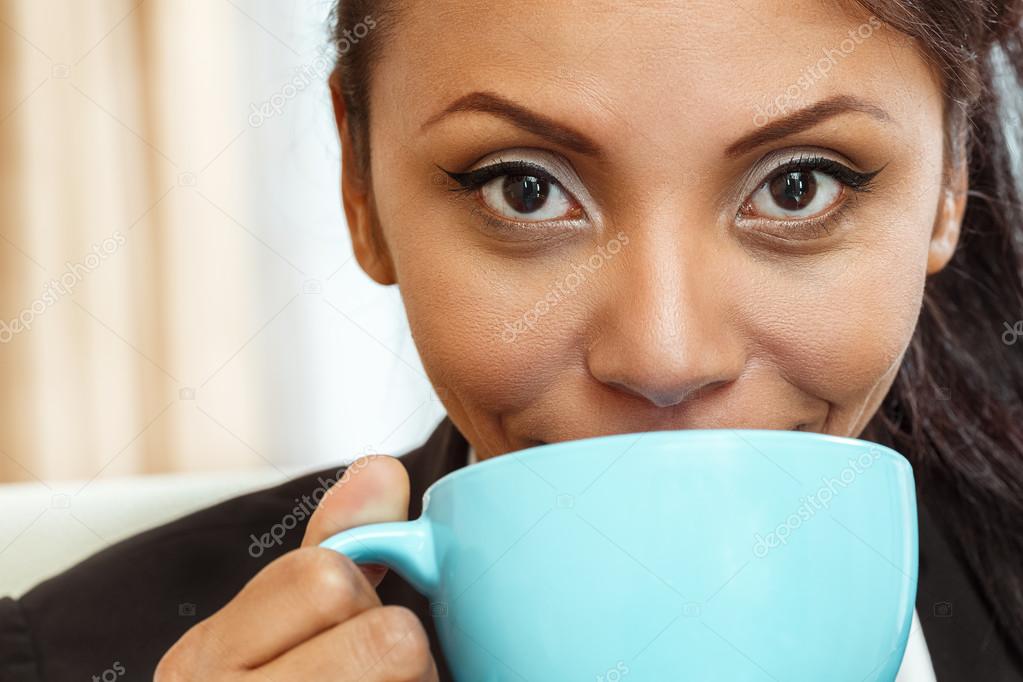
(373, 489)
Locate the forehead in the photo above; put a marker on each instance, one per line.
(667, 66)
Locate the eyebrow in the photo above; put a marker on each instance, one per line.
(804, 119)
(538, 124)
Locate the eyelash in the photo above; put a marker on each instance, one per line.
(854, 180)
(823, 225)
(470, 182)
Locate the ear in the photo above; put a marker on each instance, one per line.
(948, 223)
(357, 197)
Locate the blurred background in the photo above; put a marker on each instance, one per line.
(177, 288)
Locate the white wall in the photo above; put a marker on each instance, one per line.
(340, 368)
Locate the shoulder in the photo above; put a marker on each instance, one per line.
(120, 609)
(116, 613)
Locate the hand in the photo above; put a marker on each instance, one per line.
(313, 614)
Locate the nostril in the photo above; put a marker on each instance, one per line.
(669, 396)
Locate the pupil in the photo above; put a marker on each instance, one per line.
(525, 193)
(794, 190)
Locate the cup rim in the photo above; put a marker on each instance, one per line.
(759, 435)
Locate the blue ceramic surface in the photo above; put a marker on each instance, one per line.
(731, 555)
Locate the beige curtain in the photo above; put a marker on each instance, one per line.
(124, 251)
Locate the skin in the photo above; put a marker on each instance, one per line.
(705, 315)
(695, 323)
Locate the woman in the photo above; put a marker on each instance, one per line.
(612, 217)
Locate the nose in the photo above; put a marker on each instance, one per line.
(666, 331)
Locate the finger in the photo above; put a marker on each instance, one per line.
(373, 489)
(292, 600)
(386, 643)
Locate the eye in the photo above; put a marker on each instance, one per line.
(526, 197)
(796, 195)
(519, 191)
(804, 189)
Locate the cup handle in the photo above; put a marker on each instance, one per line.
(406, 547)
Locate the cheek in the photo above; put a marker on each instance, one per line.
(836, 329)
(478, 319)
(485, 330)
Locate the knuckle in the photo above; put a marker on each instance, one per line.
(180, 661)
(169, 669)
(398, 636)
(328, 580)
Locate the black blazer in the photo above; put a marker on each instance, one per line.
(122, 608)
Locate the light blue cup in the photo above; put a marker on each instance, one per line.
(731, 555)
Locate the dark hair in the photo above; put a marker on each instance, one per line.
(955, 408)
(354, 66)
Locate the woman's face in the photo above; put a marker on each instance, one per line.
(688, 215)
